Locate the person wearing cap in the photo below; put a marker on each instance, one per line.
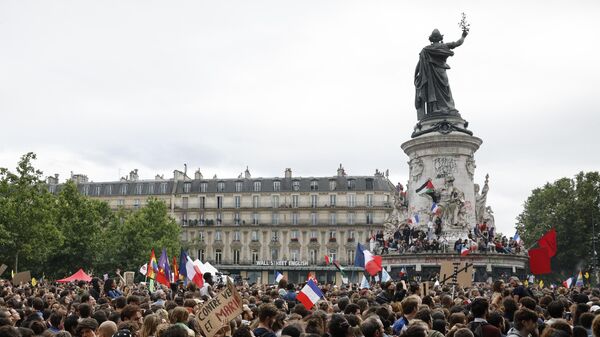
(87, 327)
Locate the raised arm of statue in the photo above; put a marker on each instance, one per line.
(458, 42)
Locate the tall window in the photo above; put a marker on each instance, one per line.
(332, 255)
(331, 234)
(294, 218)
(313, 234)
(296, 185)
(138, 189)
(275, 201)
(217, 235)
(294, 254)
(254, 235)
(350, 257)
(187, 187)
(350, 218)
(274, 253)
(314, 219)
(202, 218)
(86, 189)
(275, 218)
(314, 185)
(351, 184)
(219, 218)
(136, 203)
(274, 236)
(218, 256)
(163, 188)
(236, 236)
(312, 256)
(237, 200)
(201, 255)
(220, 186)
(98, 190)
(351, 200)
(202, 202)
(332, 200)
(369, 200)
(255, 218)
(369, 184)
(295, 234)
(257, 186)
(151, 188)
(203, 187)
(369, 218)
(219, 202)
(332, 219)
(238, 186)
(351, 235)
(255, 201)
(254, 256)
(236, 218)
(236, 256)
(184, 202)
(201, 236)
(332, 185)
(295, 201)
(277, 186)
(124, 189)
(314, 200)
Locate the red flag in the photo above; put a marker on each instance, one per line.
(539, 261)
(327, 259)
(549, 241)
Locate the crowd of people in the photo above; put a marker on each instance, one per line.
(392, 308)
(411, 240)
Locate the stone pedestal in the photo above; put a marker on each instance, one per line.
(438, 156)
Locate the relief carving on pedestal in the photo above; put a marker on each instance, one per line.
(470, 166)
(444, 166)
(416, 168)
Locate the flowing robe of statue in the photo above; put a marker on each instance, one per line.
(433, 95)
(480, 201)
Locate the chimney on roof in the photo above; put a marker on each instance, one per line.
(178, 175)
(288, 173)
(247, 173)
(159, 177)
(133, 175)
(79, 178)
(340, 171)
(52, 180)
(198, 175)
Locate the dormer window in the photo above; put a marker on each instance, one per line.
(314, 185)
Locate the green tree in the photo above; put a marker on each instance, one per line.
(82, 222)
(133, 235)
(571, 206)
(27, 230)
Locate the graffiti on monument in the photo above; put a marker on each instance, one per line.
(444, 166)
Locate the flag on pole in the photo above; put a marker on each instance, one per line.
(336, 263)
(192, 270)
(568, 282)
(377, 278)
(517, 238)
(579, 282)
(365, 259)
(464, 251)
(548, 241)
(278, 277)
(175, 270)
(152, 265)
(427, 187)
(402, 272)
(364, 283)
(414, 219)
(539, 261)
(327, 261)
(183, 266)
(435, 208)
(164, 272)
(310, 294)
(385, 276)
(144, 269)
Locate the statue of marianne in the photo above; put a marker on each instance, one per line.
(433, 95)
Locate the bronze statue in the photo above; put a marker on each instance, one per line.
(433, 95)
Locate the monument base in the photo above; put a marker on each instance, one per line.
(447, 160)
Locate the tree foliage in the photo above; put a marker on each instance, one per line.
(56, 234)
(571, 206)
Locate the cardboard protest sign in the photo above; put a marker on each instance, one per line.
(217, 312)
(463, 278)
(22, 277)
(129, 275)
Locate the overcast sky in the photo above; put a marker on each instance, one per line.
(103, 87)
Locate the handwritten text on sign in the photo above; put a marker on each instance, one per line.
(219, 311)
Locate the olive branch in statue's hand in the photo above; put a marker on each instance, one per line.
(464, 25)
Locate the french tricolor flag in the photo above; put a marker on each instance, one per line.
(365, 259)
(435, 208)
(278, 277)
(414, 219)
(568, 282)
(464, 251)
(310, 294)
(193, 271)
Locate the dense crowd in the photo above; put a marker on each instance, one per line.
(393, 308)
(410, 240)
